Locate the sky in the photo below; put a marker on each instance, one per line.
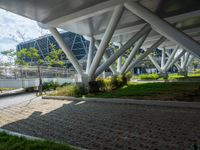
(10, 27)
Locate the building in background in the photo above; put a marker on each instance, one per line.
(77, 43)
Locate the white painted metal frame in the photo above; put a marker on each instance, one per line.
(127, 45)
(118, 11)
(164, 28)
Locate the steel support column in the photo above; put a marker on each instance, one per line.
(127, 45)
(176, 64)
(175, 60)
(190, 60)
(90, 54)
(164, 28)
(105, 58)
(163, 58)
(67, 51)
(155, 62)
(171, 57)
(186, 60)
(133, 52)
(146, 53)
(119, 60)
(106, 39)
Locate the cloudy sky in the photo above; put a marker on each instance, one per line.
(11, 26)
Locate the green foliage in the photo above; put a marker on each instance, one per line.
(128, 75)
(175, 76)
(31, 53)
(70, 90)
(108, 84)
(6, 89)
(156, 91)
(10, 54)
(152, 76)
(8, 142)
(54, 57)
(197, 71)
(47, 86)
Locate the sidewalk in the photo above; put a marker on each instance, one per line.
(11, 92)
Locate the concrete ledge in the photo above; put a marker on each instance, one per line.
(12, 92)
(130, 101)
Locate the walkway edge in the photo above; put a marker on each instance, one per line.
(33, 138)
(129, 101)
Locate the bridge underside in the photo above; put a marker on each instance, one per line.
(130, 24)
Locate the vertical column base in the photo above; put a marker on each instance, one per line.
(163, 75)
(183, 72)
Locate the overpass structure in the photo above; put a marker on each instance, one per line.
(131, 24)
(25, 77)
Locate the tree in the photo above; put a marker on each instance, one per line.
(54, 58)
(10, 55)
(33, 55)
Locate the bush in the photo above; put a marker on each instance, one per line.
(70, 90)
(108, 84)
(128, 76)
(47, 86)
(148, 76)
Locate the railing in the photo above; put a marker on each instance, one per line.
(23, 77)
(16, 72)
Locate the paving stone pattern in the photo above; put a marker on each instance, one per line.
(107, 126)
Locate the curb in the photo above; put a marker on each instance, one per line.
(179, 104)
(33, 138)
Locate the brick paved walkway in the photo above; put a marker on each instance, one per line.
(105, 125)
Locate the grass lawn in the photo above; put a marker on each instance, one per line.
(175, 91)
(6, 89)
(8, 142)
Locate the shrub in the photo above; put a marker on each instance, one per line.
(47, 86)
(149, 76)
(128, 76)
(70, 90)
(108, 84)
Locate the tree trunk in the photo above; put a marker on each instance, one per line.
(40, 81)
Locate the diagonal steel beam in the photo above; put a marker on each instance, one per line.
(133, 52)
(186, 60)
(175, 60)
(164, 28)
(146, 53)
(127, 45)
(105, 58)
(153, 60)
(171, 57)
(117, 13)
(190, 60)
(67, 51)
(90, 54)
(176, 64)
